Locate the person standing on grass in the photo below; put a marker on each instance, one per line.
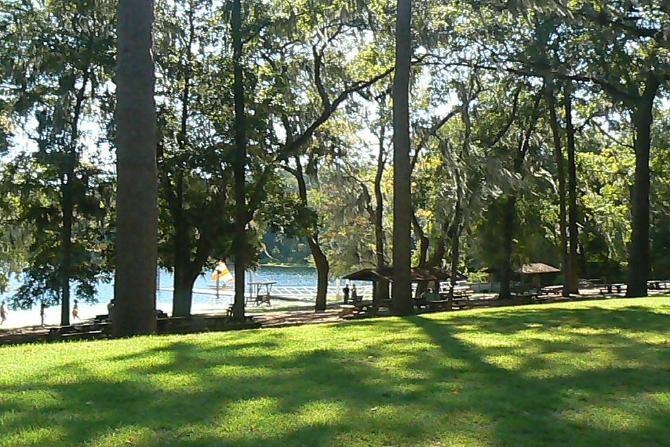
(75, 310)
(354, 294)
(3, 313)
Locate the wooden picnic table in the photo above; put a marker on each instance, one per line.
(551, 290)
(609, 288)
(348, 310)
(657, 284)
(256, 296)
(458, 292)
(423, 303)
(462, 292)
(364, 306)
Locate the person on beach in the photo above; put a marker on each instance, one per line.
(110, 309)
(43, 308)
(3, 313)
(75, 310)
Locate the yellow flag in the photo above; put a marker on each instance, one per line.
(221, 273)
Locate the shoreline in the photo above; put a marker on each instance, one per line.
(279, 265)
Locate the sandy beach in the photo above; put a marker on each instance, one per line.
(23, 318)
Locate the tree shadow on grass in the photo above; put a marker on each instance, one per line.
(633, 318)
(415, 381)
(235, 406)
(588, 405)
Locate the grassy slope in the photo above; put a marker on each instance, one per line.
(587, 374)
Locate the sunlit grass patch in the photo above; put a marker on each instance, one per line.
(590, 373)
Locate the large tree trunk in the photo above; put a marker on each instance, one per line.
(402, 194)
(241, 213)
(573, 260)
(506, 268)
(560, 173)
(137, 190)
(639, 262)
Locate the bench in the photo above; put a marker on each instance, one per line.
(347, 310)
(525, 297)
(439, 304)
(365, 306)
(469, 304)
(551, 290)
(105, 317)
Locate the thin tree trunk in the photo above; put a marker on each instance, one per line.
(320, 260)
(183, 290)
(322, 272)
(455, 243)
(184, 266)
(639, 264)
(241, 213)
(66, 241)
(187, 267)
(137, 196)
(402, 194)
(509, 211)
(424, 246)
(440, 250)
(182, 297)
(458, 209)
(424, 242)
(506, 270)
(573, 261)
(382, 288)
(560, 173)
(67, 202)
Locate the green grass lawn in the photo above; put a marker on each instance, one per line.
(590, 373)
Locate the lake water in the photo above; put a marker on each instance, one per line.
(302, 277)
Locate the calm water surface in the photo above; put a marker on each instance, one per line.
(202, 302)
